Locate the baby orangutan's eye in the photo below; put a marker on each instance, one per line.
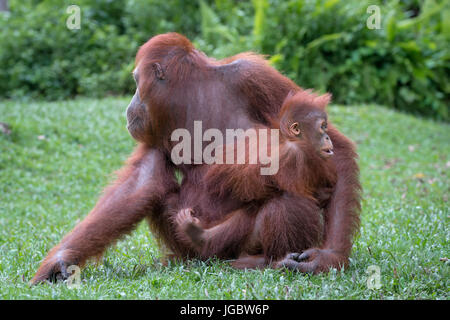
(324, 126)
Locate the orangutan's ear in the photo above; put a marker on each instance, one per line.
(295, 129)
(159, 73)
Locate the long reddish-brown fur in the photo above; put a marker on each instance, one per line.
(242, 91)
(265, 225)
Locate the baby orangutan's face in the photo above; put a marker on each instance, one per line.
(314, 129)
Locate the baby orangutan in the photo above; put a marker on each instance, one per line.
(280, 213)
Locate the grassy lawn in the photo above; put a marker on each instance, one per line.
(60, 155)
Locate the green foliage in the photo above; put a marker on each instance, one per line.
(59, 157)
(45, 58)
(321, 44)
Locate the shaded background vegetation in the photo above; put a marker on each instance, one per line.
(321, 44)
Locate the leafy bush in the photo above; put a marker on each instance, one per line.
(45, 58)
(405, 64)
(326, 45)
(322, 44)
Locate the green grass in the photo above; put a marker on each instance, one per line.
(60, 155)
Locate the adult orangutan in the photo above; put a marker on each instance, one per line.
(176, 85)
